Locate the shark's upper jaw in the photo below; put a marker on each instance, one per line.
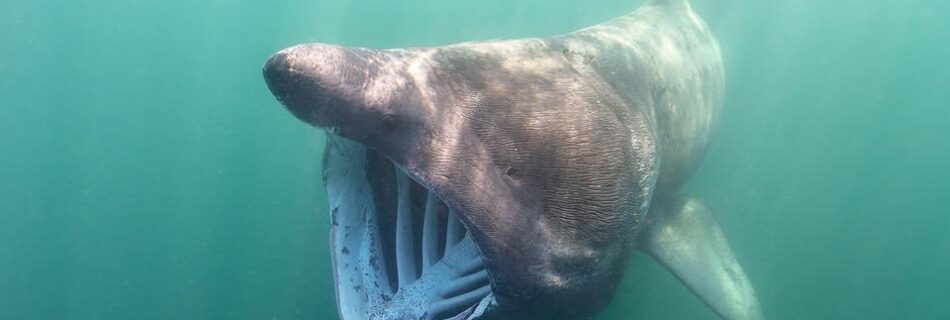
(398, 251)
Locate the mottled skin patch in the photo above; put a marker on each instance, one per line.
(550, 150)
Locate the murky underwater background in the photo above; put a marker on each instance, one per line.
(147, 173)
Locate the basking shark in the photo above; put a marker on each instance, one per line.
(513, 179)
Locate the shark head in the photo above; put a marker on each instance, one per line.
(486, 180)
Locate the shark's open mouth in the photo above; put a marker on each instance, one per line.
(399, 251)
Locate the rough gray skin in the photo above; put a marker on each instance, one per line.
(547, 154)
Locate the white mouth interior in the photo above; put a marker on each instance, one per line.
(398, 251)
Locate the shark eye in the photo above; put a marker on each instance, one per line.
(386, 124)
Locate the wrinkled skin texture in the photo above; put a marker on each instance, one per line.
(550, 150)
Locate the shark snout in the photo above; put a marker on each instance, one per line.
(279, 76)
(357, 93)
(309, 79)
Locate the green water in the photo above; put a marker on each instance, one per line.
(147, 173)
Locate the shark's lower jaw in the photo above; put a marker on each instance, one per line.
(398, 251)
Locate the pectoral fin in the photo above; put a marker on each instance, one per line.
(683, 236)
